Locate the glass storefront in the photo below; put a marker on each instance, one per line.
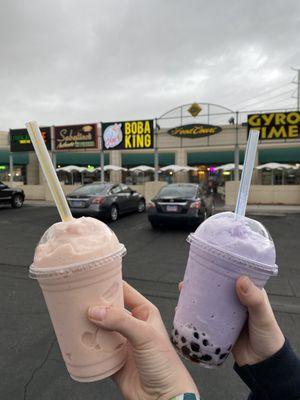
(19, 173)
(281, 177)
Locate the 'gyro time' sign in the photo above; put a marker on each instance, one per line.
(281, 125)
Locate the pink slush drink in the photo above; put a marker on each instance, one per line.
(79, 264)
(209, 316)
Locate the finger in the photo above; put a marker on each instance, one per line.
(180, 286)
(141, 307)
(117, 319)
(255, 299)
(132, 298)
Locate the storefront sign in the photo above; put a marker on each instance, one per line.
(127, 135)
(194, 109)
(285, 125)
(76, 137)
(20, 140)
(193, 131)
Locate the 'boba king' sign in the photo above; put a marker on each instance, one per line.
(193, 131)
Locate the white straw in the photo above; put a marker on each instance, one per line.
(48, 170)
(250, 153)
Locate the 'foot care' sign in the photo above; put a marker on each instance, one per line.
(127, 135)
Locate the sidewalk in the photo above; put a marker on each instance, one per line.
(270, 209)
(251, 208)
(39, 203)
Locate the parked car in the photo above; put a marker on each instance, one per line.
(184, 203)
(105, 200)
(15, 197)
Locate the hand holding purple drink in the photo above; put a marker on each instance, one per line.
(209, 316)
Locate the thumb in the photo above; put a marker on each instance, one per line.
(120, 320)
(256, 300)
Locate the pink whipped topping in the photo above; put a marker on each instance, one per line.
(80, 240)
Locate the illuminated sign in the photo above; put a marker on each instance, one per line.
(127, 135)
(76, 137)
(272, 126)
(20, 140)
(194, 109)
(193, 131)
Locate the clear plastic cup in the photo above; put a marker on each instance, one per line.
(90, 353)
(209, 316)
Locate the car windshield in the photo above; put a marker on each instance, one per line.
(186, 191)
(90, 190)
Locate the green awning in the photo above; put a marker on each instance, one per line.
(288, 155)
(18, 158)
(130, 160)
(213, 157)
(80, 159)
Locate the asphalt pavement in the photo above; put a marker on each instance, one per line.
(31, 367)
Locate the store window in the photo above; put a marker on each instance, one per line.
(281, 177)
(19, 173)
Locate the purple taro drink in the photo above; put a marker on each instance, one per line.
(209, 316)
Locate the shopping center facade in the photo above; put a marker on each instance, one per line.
(213, 137)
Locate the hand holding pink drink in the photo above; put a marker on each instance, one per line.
(78, 263)
(209, 316)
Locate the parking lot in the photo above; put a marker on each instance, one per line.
(30, 363)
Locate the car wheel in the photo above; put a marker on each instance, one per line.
(114, 213)
(141, 206)
(154, 225)
(17, 201)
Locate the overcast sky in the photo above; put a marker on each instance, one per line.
(77, 61)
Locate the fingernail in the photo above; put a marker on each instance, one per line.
(246, 284)
(97, 313)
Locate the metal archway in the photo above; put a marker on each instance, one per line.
(210, 113)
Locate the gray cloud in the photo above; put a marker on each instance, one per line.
(72, 61)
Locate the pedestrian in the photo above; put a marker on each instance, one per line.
(153, 370)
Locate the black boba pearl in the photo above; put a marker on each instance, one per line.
(195, 358)
(205, 342)
(183, 339)
(223, 356)
(176, 332)
(206, 357)
(203, 334)
(185, 350)
(196, 335)
(218, 350)
(195, 347)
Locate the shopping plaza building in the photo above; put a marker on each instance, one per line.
(201, 135)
